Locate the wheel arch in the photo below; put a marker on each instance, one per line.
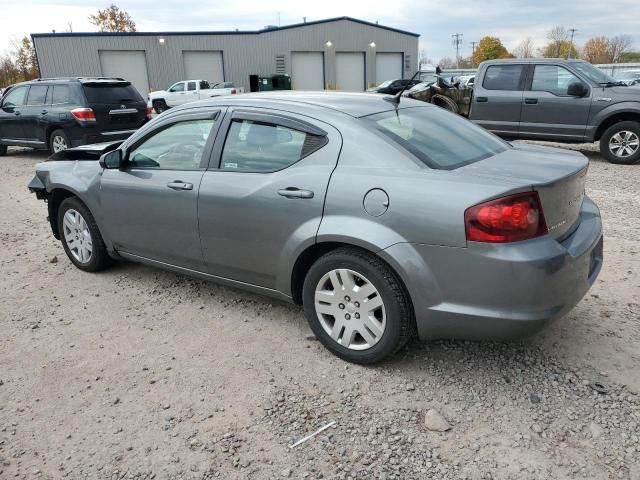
(56, 197)
(49, 130)
(613, 118)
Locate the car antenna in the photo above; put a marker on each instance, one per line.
(395, 99)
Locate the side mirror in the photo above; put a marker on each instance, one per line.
(112, 159)
(577, 89)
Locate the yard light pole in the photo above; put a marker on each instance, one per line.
(473, 50)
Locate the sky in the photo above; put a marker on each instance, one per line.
(435, 21)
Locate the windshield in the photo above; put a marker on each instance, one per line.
(592, 73)
(628, 75)
(438, 138)
(385, 84)
(427, 77)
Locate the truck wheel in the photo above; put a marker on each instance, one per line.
(160, 106)
(3, 150)
(620, 143)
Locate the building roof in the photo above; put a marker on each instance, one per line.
(227, 32)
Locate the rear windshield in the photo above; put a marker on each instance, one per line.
(438, 138)
(111, 92)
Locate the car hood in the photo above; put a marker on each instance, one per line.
(85, 152)
(620, 94)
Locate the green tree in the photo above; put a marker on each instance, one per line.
(561, 49)
(113, 19)
(489, 48)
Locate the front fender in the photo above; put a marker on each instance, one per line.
(617, 108)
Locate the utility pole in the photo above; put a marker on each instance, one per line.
(457, 41)
(473, 50)
(573, 32)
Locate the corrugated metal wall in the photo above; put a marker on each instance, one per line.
(243, 54)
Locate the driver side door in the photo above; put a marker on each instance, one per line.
(176, 94)
(150, 204)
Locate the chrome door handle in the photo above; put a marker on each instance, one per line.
(180, 185)
(293, 192)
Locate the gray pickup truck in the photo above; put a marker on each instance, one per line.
(549, 99)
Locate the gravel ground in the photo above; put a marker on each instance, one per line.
(137, 373)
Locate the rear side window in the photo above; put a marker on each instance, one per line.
(191, 86)
(503, 77)
(111, 93)
(264, 147)
(440, 139)
(37, 94)
(60, 94)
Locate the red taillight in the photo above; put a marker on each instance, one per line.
(84, 114)
(507, 219)
(233, 91)
(149, 111)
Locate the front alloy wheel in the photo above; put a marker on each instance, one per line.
(624, 144)
(77, 236)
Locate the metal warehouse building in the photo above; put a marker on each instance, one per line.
(338, 54)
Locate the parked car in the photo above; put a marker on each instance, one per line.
(394, 86)
(629, 77)
(380, 219)
(549, 99)
(57, 113)
(189, 91)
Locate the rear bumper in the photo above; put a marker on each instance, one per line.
(88, 138)
(492, 291)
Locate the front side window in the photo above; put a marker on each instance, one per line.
(37, 95)
(503, 77)
(15, 97)
(552, 79)
(438, 138)
(177, 147)
(178, 87)
(264, 147)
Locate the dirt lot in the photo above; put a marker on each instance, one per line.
(136, 373)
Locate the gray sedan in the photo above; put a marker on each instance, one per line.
(383, 220)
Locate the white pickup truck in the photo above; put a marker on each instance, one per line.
(189, 91)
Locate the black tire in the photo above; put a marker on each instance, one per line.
(400, 321)
(53, 139)
(99, 258)
(605, 147)
(160, 106)
(3, 150)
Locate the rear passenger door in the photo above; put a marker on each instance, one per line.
(497, 101)
(34, 114)
(262, 197)
(548, 111)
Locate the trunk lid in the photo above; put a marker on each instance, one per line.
(559, 177)
(117, 104)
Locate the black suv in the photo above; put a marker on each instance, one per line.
(58, 113)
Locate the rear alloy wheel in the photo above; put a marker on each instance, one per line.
(160, 106)
(620, 143)
(80, 236)
(58, 141)
(356, 306)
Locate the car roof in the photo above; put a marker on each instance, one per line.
(534, 60)
(353, 104)
(73, 79)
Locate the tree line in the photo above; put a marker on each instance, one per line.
(559, 44)
(20, 63)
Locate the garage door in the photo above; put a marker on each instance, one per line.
(388, 67)
(307, 70)
(204, 66)
(130, 65)
(350, 71)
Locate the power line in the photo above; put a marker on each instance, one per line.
(457, 41)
